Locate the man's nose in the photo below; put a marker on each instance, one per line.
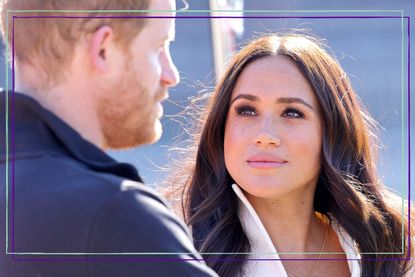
(169, 74)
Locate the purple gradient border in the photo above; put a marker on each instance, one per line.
(98, 258)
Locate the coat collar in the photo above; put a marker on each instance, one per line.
(263, 248)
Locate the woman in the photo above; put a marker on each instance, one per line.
(285, 169)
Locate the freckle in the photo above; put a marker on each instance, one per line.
(302, 203)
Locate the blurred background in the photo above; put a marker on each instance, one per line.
(372, 51)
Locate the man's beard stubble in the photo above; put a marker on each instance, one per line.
(127, 118)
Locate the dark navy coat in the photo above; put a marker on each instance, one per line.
(65, 197)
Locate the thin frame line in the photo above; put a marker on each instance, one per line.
(202, 253)
(13, 84)
(210, 17)
(7, 131)
(13, 144)
(130, 259)
(402, 138)
(206, 11)
(409, 136)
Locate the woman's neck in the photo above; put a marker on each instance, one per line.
(291, 223)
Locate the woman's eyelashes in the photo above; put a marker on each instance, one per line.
(250, 111)
(293, 113)
(245, 110)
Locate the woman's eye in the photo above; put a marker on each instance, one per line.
(245, 111)
(293, 113)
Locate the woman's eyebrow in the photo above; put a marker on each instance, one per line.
(289, 100)
(249, 97)
(281, 100)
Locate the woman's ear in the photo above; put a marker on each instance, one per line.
(100, 47)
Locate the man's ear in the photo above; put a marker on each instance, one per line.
(100, 45)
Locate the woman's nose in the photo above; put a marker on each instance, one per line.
(267, 134)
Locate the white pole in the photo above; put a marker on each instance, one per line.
(217, 40)
(224, 32)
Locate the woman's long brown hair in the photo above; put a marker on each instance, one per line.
(348, 188)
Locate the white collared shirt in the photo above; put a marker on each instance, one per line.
(263, 248)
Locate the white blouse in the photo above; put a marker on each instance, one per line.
(263, 248)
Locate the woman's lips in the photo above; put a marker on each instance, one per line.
(265, 161)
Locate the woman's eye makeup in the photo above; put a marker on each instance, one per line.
(250, 111)
(245, 110)
(292, 113)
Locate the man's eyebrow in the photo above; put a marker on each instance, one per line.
(168, 38)
(281, 100)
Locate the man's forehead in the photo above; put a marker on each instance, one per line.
(162, 28)
(162, 5)
(164, 25)
(172, 31)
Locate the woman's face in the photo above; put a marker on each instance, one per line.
(273, 133)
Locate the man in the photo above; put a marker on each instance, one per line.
(84, 83)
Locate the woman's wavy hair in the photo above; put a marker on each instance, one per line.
(348, 188)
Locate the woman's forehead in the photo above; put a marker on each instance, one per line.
(275, 75)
